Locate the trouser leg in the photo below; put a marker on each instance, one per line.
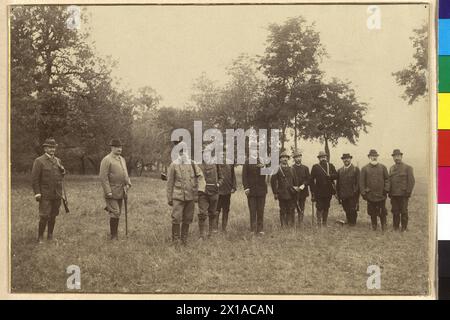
(260, 205)
(212, 214)
(383, 214)
(346, 208)
(41, 229)
(51, 227)
(319, 213)
(291, 213)
(187, 217)
(395, 208)
(404, 213)
(283, 212)
(225, 211)
(300, 210)
(252, 207)
(175, 232)
(203, 204)
(372, 211)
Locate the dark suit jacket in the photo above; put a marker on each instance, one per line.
(401, 177)
(47, 175)
(253, 179)
(348, 182)
(280, 184)
(302, 177)
(321, 183)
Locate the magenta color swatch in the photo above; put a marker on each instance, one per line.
(444, 185)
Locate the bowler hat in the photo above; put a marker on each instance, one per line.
(297, 153)
(397, 152)
(115, 143)
(346, 156)
(322, 154)
(50, 142)
(284, 154)
(373, 152)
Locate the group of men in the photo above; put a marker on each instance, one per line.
(211, 186)
(374, 183)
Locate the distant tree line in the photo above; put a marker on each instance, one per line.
(61, 87)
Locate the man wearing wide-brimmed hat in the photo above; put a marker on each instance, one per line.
(323, 175)
(302, 183)
(401, 177)
(283, 183)
(347, 187)
(115, 183)
(47, 179)
(374, 186)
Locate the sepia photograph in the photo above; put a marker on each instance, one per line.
(232, 149)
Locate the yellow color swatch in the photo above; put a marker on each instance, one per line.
(444, 111)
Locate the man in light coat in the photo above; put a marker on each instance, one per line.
(115, 183)
(184, 180)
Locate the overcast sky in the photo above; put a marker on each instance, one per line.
(167, 47)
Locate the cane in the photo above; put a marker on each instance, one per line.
(312, 213)
(125, 199)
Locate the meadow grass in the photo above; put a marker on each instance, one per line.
(306, 261)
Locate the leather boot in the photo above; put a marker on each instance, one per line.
(383, 222)
(175, 233)
(212, 225)
(114, 226)
(404, 219)
(224, 220)
(184, 233)
(216, 221)
(324, 217)
(202, 229)
(374, 221)
(319, 217)
(41, 229)
(50, 228)
(396, 220)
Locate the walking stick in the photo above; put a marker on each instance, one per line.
(312, 213)
(125, 198)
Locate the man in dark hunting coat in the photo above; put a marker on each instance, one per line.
(401, 178)
(374, 186)
(209, 197)
(115, 183)
(226, 188)
(283, 184)
(347, 186)
(302, 183)
(323, 175)
(47, 180)
(255, 188)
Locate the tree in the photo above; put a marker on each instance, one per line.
(291, 58)
(61, 88)
(414, 77)
(334, 113)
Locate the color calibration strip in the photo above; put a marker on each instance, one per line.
(444, 121)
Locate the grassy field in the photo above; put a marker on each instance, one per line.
(328, 261)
